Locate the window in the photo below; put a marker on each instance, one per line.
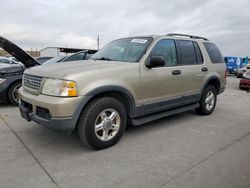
(3, 60)
(213, 53)
(166, 49)
(127, 49)
(198, 53)
(75, 57)
(187, 52)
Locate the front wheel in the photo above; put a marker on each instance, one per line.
(102, 123)
(13, 93)
(208, 101)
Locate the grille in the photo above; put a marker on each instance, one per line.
(33, 82)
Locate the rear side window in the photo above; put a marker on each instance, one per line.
(198, 53)
(213, 53)
(187, 52)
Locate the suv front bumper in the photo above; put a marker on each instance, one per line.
(62, 124)
(53, 112)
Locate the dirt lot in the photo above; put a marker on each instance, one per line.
(184, 150)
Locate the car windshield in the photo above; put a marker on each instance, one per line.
(127, 49)
(55, 60)
(43, 59)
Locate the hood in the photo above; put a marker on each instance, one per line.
(7, 69)
(18, 53)
(59, 70)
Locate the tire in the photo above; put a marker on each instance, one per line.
(95, 127)
(12, 93)
(208, 101)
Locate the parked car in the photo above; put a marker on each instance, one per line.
(82, 55)
(245, 81)
(57, 59)
(11, 74)
(43, 59)
(135, 80)
(239, 73)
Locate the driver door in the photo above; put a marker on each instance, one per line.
(161, 86)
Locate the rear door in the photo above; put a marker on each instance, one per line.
(192, 69)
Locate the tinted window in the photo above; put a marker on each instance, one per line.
(166, 49)
(187, 52)
(198, 53)
(214, 53)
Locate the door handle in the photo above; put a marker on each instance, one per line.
(204, 69)
(176, 72)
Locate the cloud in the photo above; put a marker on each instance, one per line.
(41, 23)
(25, 36)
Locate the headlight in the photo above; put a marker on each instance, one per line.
(2, 80)
(61, 88)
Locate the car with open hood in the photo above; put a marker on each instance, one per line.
(11, 73)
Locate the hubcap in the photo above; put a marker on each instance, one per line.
(210, 100)
(15, 93)
(107, 124)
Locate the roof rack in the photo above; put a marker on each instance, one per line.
(185, 35)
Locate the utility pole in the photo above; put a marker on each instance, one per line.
(98, 42)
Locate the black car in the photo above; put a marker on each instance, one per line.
(11, 73)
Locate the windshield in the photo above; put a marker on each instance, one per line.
(55, 60)
(127, 49)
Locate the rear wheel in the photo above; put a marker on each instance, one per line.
(102, 123)
(13, 93)
(208, 101)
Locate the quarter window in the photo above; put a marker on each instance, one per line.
(213, 53)
(166, 49)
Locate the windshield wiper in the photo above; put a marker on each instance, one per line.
(104, 58)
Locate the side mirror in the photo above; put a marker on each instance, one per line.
(155, 61)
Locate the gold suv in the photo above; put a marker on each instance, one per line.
(131, 80)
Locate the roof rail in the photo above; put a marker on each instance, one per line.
(185, 35)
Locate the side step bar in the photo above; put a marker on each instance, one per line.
(146, 119)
